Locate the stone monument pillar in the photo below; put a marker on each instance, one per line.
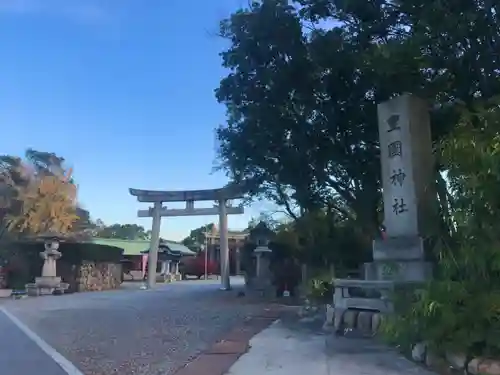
(408, 190)
(409, 208)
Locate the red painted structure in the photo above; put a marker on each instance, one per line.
(195, 266)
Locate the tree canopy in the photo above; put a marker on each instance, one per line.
(305, 78)
(196, 237)
(121, 231)
(38, 195)
(304, 81)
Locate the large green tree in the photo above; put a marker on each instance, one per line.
(196, 237)
(121, 231)
(306, 76)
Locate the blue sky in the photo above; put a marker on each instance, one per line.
(123, 89)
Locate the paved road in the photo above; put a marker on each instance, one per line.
(132, 331)
(296, 346)
(20, 355)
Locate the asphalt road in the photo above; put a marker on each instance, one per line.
(20, 355)
(124, 332)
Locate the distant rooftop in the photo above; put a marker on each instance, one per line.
(214, 233)
(138, 247)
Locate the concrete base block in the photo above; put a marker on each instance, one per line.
(364, 323)
(350, 319)
(376, 322)
(399, 271)
(4, 293)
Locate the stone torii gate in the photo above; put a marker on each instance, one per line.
(222, 196)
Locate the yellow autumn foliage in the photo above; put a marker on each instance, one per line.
(46, 204)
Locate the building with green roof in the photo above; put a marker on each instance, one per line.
(140, 247)
(134, 250)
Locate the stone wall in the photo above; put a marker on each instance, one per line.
(458, 362)
(98, 276)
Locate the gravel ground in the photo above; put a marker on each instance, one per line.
(132, 331)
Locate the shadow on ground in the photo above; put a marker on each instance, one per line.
(351, 355)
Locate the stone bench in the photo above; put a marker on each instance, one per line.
(343, 301)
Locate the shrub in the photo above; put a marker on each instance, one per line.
(458, 312)
(76, 253)
(320, 289)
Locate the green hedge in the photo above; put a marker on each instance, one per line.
(73, 253)
(76, 253)
(25, 263)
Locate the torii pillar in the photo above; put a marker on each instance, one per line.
(224, 246)
(222, 196)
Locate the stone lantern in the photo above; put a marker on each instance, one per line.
(263, 280)
(262, 253)
(48, 282)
